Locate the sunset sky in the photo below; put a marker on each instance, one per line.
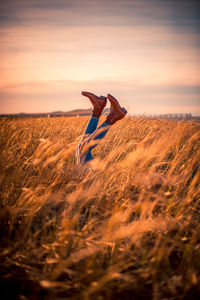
(144, 52)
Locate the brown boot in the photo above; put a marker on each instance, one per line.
(98, 103)
(116, 111)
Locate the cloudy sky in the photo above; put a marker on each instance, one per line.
(144, 52)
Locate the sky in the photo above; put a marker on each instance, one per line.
(144, 52)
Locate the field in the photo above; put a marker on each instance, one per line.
(127, 227)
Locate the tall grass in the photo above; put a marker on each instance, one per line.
(126, 227)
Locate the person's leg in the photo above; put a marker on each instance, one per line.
(85, 149)
(98, 104)
(91, 127)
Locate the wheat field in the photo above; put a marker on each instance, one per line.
(125, 227)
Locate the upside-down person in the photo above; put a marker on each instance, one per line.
(93, 135)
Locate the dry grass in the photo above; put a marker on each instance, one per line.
(128, 227)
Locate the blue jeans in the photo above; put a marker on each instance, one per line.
(90, 140)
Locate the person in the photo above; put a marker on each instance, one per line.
(92, 135)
